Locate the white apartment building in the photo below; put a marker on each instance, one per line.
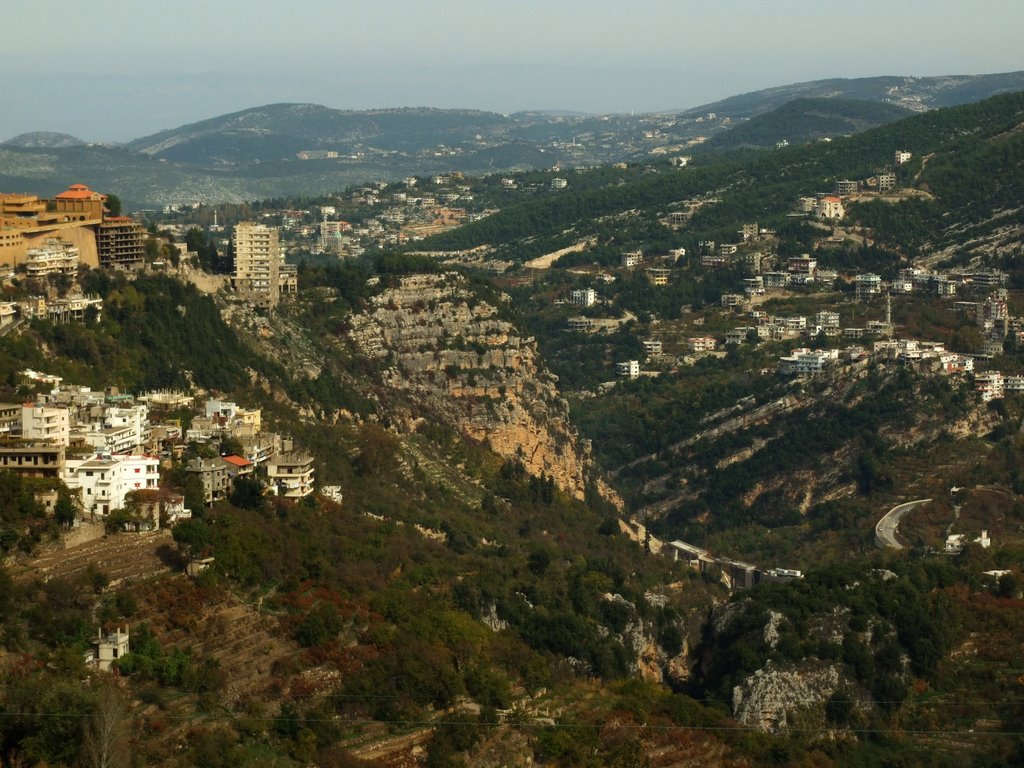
(829, 207)
(806, 362)
(827, 319)
(632, 259)
(990, 384)
(953, 363)
(901, 156)
(258, 258)
(868, 285)
(629, 369)
(73, 308)
(1012, 383)
(584, 297)
(54, 257)
(104, 480)
(702, 344)
(45, 422)
(133, 417)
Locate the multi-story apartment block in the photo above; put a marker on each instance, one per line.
(584, 297)
(886, 182)
(749, 231)
(753, 286)
(54, 256)
(715, 260)
(32, 459)
(629, 369)
(826, 319)
(801, 265)
(120, 242)
(806, 362)
(258, 258)
(732, 301)
(990, 385)
(104, 480)
(291, 474)
(112, 429)
(901, 156)
(868, 285)
(214, 476)
(42, 422)
(652, 347)
(632, 259)
(659, 275)
(74, 309)
(702, 344)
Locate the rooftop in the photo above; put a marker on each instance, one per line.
(80, 192)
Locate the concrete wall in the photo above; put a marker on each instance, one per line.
(83, 534)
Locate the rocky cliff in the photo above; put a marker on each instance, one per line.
(457, 359)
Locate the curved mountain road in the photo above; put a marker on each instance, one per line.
(885, 529)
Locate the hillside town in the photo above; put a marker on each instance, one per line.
(110, 450)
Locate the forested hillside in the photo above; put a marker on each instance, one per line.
(528, 556)
(804, 120)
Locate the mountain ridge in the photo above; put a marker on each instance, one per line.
(259, 152)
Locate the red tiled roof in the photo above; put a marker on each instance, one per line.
(238, 461)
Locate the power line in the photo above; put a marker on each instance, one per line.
(739, 727)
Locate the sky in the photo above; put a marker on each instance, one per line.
(114, 71)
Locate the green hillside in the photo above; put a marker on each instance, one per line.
(765, 187)
(453, 606)
(914, 92)
(807, 119)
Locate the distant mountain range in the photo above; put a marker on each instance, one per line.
(43, 140)
(914, 93)
(288, 149)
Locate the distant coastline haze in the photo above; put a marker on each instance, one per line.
(144, 68)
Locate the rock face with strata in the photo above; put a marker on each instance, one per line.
(452, 353)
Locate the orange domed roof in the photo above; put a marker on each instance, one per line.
(80, 192)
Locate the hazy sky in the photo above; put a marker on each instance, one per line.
(114, 71)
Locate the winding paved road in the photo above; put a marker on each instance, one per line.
(885, 529)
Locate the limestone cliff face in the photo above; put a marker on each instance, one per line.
(452, 354)
(765, 699)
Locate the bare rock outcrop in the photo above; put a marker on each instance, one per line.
(765, 698)
(454, 355)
